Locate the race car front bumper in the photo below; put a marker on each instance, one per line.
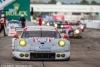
(76, 35)
(41, 56)
(72, 34)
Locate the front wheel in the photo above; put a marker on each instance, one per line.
(68, 59)
(80, 37)
(15, 59)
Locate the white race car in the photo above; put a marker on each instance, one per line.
(11, 25)
(40, 43)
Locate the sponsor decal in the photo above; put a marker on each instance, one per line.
(45, 47)
(12, 27)
(40, 51)
(19, 13)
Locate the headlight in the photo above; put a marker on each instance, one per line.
(22, 43)
(62, 26)
(55, 25)
(21, 55)
(43, 22)
(77, 31)
(81, 27)
(26, 55)
(61, 43)
(48, 24)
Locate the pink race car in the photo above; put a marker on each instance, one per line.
(73, 30)
(69, 28)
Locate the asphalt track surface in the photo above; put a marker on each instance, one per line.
(85, 52)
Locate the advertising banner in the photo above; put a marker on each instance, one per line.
(65, 8)
(4, 3)
(61, 18)
(20, 7)
(70, 17)
(51, 18)
(47, 17)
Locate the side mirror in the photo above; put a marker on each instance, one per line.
(15, 36)
(65, 36)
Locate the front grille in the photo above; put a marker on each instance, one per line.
(42, 55)
(59, 25)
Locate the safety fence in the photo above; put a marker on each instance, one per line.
(92, 24)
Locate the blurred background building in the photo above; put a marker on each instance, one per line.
(80, 11)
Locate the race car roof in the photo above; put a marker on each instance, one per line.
(43, 28)
(40, 27)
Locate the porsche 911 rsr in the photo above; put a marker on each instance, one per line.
(40, 43)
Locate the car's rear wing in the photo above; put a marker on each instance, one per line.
(18, 29)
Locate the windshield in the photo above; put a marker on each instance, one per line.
(74, 27)
(40, 34)
(14, 22)
(58, 22)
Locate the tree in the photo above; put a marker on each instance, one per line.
(52, 2)
(63, 3)
(84, 2)
(37, 2)
(94, 2)
(76, 3)
(71, 3)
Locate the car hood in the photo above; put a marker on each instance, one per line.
(38, 43)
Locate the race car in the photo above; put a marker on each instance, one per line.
(40, 43)
(74, 30)
(69, 28)
(57, 24)
(11, 25)
(78, 32)
(82, 26)
(50, 23)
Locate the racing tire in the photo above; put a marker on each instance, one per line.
(15, 59)
(80, 36)
(68, 59)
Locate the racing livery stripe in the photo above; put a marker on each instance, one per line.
(49, 39)
(56, 29)
(25, 29)
(34, 40)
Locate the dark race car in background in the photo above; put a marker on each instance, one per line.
(57, 24)
(50, 23)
